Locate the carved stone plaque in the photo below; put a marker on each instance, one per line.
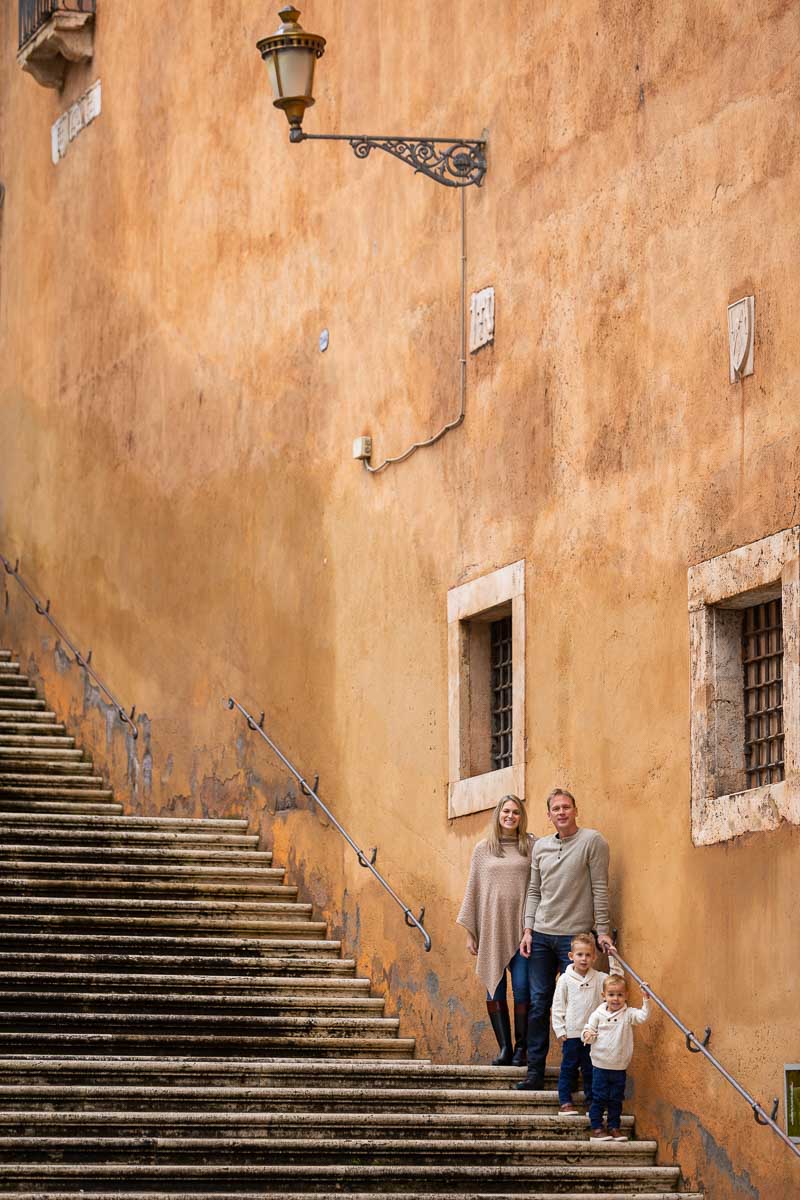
(741, 333)
(481, 323)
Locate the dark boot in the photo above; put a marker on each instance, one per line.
(498, 1015)
(520, 1058)
(533, 1081)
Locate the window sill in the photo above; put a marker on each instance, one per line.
(483, 791)
(758, 810)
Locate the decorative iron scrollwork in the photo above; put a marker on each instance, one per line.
(454, 164)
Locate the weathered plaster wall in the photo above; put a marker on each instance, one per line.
(176, 471)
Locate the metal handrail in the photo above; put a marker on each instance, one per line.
(363, 861)
(695, 1046)
(82, 660)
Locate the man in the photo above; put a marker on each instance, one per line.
(567, 894)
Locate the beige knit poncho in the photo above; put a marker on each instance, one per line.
(493, 906)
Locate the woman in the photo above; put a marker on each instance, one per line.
(492, 914)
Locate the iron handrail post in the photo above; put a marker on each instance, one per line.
(85, 662)
(364, 861)
(762, 1117)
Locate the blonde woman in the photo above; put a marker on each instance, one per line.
(492, 914)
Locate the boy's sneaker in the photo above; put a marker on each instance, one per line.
(600, 1135)
(618, 1135)
(568, 1110)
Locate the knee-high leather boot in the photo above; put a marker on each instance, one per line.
(501, 1024)
(520, 1057)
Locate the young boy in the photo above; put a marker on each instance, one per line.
(578, 993)
(609, 1031)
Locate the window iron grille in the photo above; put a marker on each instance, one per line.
(33, 14)
(762, 661)
(502, 693)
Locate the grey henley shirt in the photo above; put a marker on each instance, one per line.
(568, 891)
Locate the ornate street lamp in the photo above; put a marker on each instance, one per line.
(290, 54)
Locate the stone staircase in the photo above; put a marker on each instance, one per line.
(175, 1024)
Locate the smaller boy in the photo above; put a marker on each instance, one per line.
(609, 1031)
(578, 993)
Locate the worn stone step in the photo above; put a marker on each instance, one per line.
(119, 849)
(187, 965)
(53, 792)
(30, 744)
(316, 1043)
(537, 1111)
(12, 705)
(105, 905)
(142, 926)
(35, 720)
(41, 834)
(193, 985)
(326, 1178)
(199, 1002)
(15, 780)
(280, 1122)
(264, 1146)
(144, 881)
(183, 1018)
(378, 1194)
(227, 948)
(83, 804)
(34, 768)
(15, 687)
(10, 669)
(124, 822)
(45, 757)
(244, 1071)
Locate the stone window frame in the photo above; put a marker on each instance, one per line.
(468, 605)
(719, 589)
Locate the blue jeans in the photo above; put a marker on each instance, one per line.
(518, 968)
(549, 956)
(574, 1055)
(608, 1092)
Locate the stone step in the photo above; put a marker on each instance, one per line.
(142, 926)
(171, 1071)
(142, 881)
(123, 823)
(279, 1122)
(254, 949)
(36, 750)
(85, 804)
(15, 687)
(13, 767)
(180, 1016)
(194, 985)
(71, 778)
(53, 792)
(35, 720)
(195, 1005)
(25, 735)
(302, 1038)
(10, 669)
(265, 1146)
(531, 1179)
(10, 906)
(41, 834)
(378, 1194)
(116, 849)
(10, 706)
(188, 965)
(538, 1111)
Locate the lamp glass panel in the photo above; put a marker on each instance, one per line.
(271, 63)
(296, 71)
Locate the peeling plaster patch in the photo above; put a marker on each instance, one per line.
(168, 767)
(286, 802)
(432, 985)
(714, 1154)
(62, 660)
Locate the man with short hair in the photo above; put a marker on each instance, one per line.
(567, 894)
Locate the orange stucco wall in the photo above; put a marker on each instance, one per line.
(176, 472)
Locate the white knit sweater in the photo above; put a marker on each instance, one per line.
(613, 1048)
(576, 997)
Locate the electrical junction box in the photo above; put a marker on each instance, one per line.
(362, 447)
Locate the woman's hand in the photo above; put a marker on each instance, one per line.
(472, 945)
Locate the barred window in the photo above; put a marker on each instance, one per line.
(762, 660)
(502, 693)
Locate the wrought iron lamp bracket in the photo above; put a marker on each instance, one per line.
(453, 162)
